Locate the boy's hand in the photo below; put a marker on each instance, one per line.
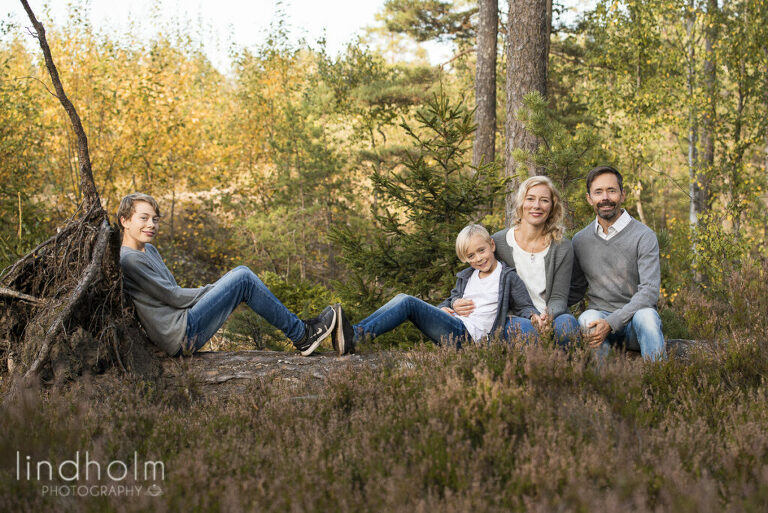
(447, 310)
(464, 307)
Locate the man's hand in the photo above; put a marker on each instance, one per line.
(598, 330)
(464, 307)
(447, 310)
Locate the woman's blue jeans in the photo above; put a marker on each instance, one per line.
(240, 284)
(567, 331)
(433, 322)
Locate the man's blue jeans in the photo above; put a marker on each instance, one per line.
(240, 284)
(433, 322)
(642, 333)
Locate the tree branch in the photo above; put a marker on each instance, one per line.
(6, 292)
(87, 185)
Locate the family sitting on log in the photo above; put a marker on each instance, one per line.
(521, 282)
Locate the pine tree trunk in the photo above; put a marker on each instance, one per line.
(484, 149)
(527, 55)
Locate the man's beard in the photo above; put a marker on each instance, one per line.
(607, 214)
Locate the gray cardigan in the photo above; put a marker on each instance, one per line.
(558, 265)
(513, 296)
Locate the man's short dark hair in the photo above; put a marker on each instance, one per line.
(601, 170)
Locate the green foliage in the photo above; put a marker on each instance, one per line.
(195, 244)
(564, 155)
(425, 20)
(304, 298)
(421, 206)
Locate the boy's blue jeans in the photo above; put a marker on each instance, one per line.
(238, 285)
(436, 324)
(642, 333)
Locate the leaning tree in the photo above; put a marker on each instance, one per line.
(63, 312)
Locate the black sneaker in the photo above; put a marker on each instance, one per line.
(318, 329)
(343, 336)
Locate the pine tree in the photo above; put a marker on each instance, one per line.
(423, 204)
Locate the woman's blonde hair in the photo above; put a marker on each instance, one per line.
(465, 236)
(553, 226)
(128, 206)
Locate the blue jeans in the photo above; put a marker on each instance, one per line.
(436, 324)
(240, 284)
(642, 333)
(566, 329)
(519, 326)
(433, 322)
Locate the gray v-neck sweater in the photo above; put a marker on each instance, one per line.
(623, 273)
(558, 264)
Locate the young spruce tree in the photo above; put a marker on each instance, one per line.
(423, 204)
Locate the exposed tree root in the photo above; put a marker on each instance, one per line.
(62, 311)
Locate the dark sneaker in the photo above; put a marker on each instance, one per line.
(318, 329)
(343, 336)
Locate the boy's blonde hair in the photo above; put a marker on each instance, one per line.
(128, 206)
(553, 226)
(465, 236)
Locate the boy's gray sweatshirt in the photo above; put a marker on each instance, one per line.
(623, 273)
(160, 303)
(513, 296)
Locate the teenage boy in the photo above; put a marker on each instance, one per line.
(618, 258)
(495, 289)
(178, 319)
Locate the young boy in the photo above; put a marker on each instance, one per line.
(178, 319)
(495, 289)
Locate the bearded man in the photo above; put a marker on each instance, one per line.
(616, 262)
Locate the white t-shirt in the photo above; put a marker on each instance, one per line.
(485, 294)
(531, 269)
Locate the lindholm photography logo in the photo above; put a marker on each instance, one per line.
(72, 471)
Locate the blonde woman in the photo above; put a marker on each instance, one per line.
(543, 258)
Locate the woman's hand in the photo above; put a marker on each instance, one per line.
(541, 321)
(447, 310)
(464, 307)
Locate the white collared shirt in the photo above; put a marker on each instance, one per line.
(615, 228)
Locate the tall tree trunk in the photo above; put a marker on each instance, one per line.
(700, 191)
(693, 166)
(527, 55)
(484, 148)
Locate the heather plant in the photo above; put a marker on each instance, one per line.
(496, 427)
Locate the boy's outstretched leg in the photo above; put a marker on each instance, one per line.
(241, 285)
(436, 324)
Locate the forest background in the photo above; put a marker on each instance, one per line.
(346, 177)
